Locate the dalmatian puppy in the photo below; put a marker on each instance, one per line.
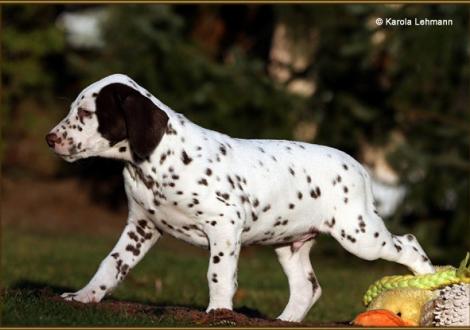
(222, 193)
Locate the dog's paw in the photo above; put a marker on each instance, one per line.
(287, 316)
(84, 296)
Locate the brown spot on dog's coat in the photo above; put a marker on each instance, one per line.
(185, 158)
(133, 236)
(291, 171)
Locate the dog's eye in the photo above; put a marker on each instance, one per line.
(82, 113)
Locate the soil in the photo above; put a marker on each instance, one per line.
(186, 315)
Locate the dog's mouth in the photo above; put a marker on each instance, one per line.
(70, 158)
(68, 155)
(71, 155)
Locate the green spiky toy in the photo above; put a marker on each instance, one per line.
(439, 299)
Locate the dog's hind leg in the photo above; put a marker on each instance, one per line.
(361, 231)
(364, 234)
(303, 285)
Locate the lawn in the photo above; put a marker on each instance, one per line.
(38, 265)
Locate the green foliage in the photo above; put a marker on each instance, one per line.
(235, 97)
(30, 43)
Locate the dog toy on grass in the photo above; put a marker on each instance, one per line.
(439, 299)
(380, 317)
(444, 276)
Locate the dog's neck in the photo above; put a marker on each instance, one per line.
(183, 145)
(166, 158)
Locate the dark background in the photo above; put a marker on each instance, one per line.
(320, 73)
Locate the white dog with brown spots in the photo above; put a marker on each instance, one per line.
(221, 193)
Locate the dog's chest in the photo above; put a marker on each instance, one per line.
(161, 207)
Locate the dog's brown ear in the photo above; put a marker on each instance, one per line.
(146, 123)
(111, 122)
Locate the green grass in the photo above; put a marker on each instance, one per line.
(32, 261)
(28, 308)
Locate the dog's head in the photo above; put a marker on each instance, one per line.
(113, 117)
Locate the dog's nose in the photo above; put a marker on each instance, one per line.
(52, 139)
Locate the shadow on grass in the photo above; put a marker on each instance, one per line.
(40, 287)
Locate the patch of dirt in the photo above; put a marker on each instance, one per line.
(187, 315)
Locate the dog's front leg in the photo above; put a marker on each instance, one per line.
(222, 273)
(136, 239)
